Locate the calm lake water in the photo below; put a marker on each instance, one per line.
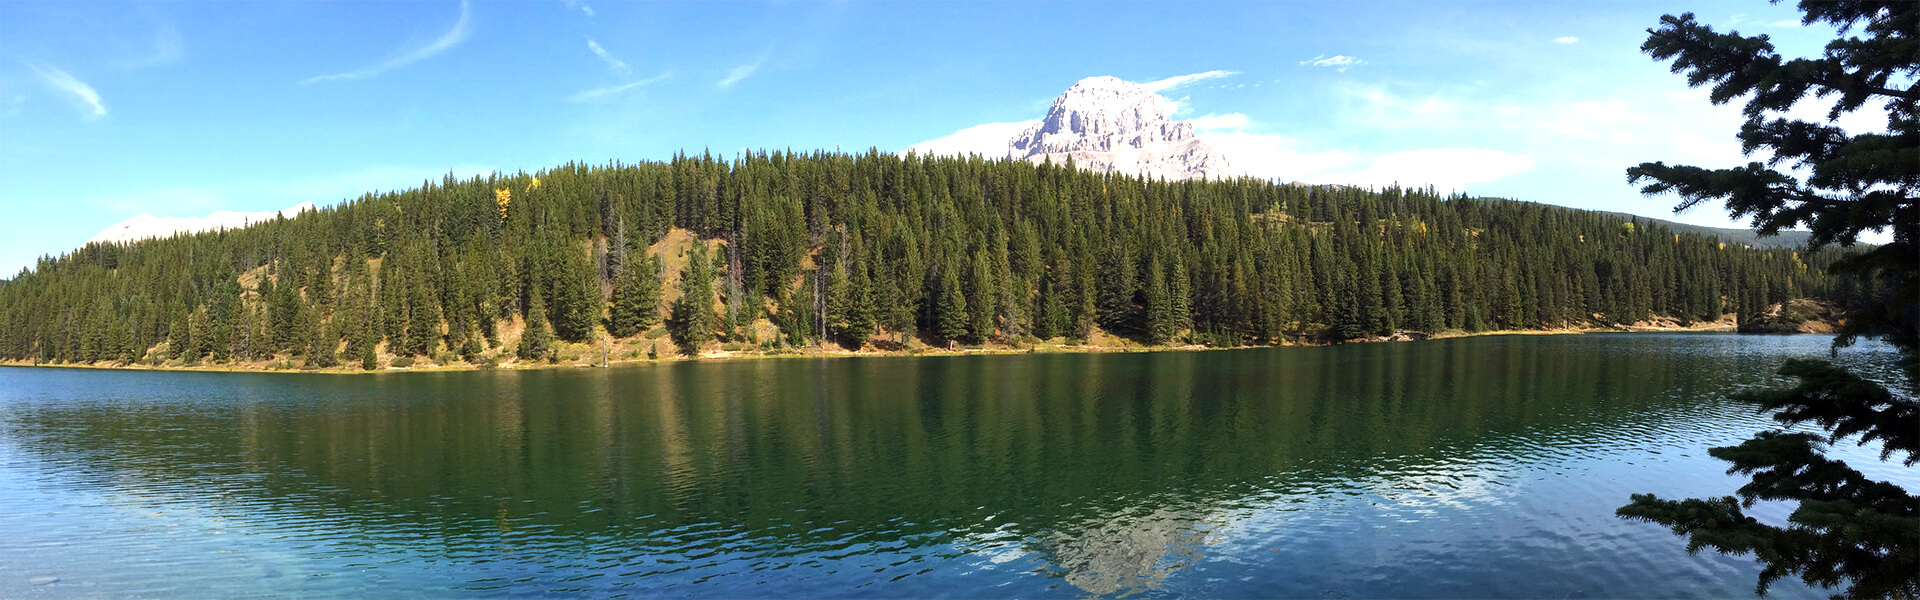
(1481, 467)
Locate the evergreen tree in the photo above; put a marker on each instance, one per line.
(1847, 529)
(952, 321)
(1161, 322)
(849, 312)
(981, 300)
(576, 296)
(200, 340)
(368, 359)
(1180, 292)
(967, 249)
(180, 335)
(537, 341)
(692, 320)
(636, 299)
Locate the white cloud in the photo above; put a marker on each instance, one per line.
(613, 63)
(72, 86)
(588, 9)
(1229, 121)
(148, 226)
(1336, 62)
(1180, 80)
(1565, 40)
(452, 38)
(1180, 106)
(598, 93)
(1267, 156)
(1446, 169)
(989, 140)
(736, 74)
(1597, 120)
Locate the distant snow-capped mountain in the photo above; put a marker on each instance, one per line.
(148, 226)
(1109, 124)
(1103, 124)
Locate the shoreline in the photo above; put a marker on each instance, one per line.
(1045, 347)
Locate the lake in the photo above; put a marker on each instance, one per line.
(1473, 467)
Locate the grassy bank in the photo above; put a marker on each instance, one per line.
(655, 349)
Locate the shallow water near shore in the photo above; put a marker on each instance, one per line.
(1471, 467)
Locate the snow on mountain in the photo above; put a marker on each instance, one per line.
(1109, 124)
(148, 226)
(1103, 124)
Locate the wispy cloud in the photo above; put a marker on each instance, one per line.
(1226, 122)
(167, 49)
(598, 93)
(66, 82)
(587, 9)
(736, 74)
(452, 38)
(613, 63)
(1180, 80)
(1337, 62)
(1565, 40)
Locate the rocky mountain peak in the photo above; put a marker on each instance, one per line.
(1109, 124)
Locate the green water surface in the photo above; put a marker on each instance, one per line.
(1481, 467)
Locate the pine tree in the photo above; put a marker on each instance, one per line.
(199, 334)
(981, 300)
(1161, 322)
(537, 341)
(849, 319)
(692, 321)
(1032, 249)
(578, 303)
(1180, 290)
(1847, 529)
(951, 314)
(636, 299)
(179, 335)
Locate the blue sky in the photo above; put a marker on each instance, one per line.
(109, 110)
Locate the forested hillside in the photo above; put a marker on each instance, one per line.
(798, 250)
(1747, 237)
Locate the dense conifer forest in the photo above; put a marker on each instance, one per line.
(781, 250)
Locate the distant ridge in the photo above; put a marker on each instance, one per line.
(1745, 237)
(1748, 237)
(913, 253)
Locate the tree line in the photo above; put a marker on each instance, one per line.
(871, 249)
